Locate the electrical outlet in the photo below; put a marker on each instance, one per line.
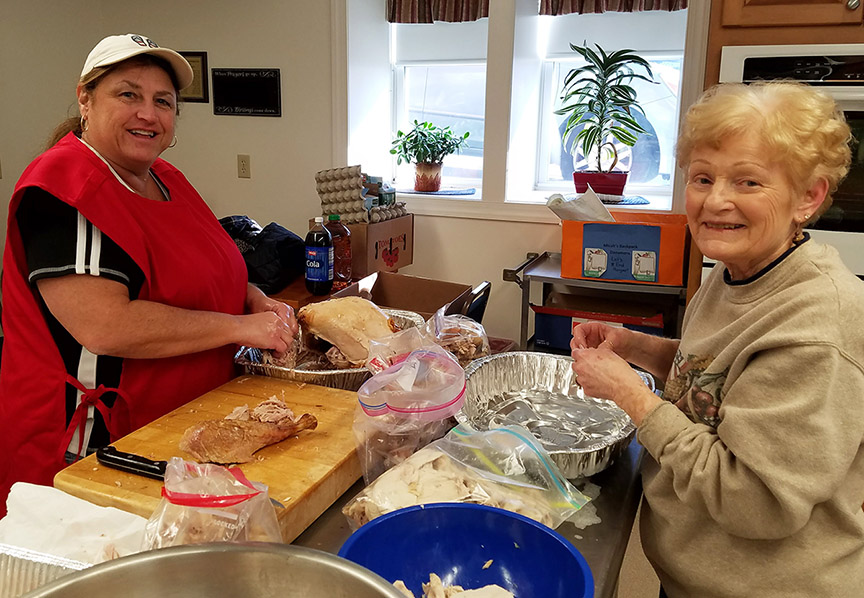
(244, 166)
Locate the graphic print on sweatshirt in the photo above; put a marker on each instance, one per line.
(694, 390)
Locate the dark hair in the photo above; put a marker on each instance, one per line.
(91, 81)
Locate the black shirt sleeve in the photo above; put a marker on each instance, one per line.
(58, 241)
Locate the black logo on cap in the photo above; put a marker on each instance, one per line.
(140, 40)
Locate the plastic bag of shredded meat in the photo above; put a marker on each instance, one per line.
(462, 336)
(210, 503)
(405, 407)
(505, 468)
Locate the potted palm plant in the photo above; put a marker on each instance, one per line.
(599, 104)
(426, 146)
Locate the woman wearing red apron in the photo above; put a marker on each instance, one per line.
(123, 297)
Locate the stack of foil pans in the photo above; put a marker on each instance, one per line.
(583, 435)
(23, 570)
(346, 379)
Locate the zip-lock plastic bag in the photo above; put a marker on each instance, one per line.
(390, 350)
(462, 336)
(505, 468)
(405, 407)
(210, 503)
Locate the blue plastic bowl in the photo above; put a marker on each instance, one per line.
(455, 540)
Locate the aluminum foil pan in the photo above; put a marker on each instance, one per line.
(347, 379)
(583, 435)
(23, 570)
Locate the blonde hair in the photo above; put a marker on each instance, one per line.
(801, 127)
(92, 79)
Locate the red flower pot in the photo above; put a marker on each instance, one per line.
(427, 177)
(606, 183)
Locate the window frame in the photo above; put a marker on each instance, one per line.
(361, 20)
(549, 96)
(400, 119)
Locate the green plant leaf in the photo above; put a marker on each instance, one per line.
(597, 97)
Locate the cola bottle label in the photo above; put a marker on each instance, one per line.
(319, 264)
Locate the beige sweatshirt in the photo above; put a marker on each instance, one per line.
(758, 492)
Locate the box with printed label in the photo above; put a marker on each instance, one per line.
(554, 321)
(382, 246)
(636, 248)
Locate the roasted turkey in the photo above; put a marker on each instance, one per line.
(347, 323)
(235, 438)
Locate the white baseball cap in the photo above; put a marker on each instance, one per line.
(116, 48)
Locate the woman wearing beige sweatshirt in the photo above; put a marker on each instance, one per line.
(754, 478)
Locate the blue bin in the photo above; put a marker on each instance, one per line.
(456, 540)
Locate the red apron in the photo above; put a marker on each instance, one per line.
(188, 261)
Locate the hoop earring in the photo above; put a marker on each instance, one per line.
(173, 143)
(83, 123)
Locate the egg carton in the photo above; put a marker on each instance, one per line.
(373, 215)
(339, 185)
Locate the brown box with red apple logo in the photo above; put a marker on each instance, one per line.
(424, 296)
(382, 246)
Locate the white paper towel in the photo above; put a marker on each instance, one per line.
(50, 521)
(584, 207)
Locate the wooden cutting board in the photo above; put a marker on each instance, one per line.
(306, 473)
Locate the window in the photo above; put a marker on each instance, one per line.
(448, 95)
(651, 161)
(499, 79)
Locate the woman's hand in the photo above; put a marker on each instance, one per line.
(258, 302)
(603, 374)
(593, 335)
(268, 330)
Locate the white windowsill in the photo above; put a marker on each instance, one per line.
(533, 210)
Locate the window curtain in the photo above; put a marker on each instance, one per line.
(429, 11)
(566, 7)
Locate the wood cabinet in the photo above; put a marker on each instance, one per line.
(757, 13)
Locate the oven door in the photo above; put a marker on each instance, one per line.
(846, 213)
(842, 225)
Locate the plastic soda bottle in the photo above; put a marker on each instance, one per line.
(341, 251)
(319, 259)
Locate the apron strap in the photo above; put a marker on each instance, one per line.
(116, 418)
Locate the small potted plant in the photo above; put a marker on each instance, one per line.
(599, 102)
(426, 146)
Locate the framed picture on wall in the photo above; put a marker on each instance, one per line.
(199, 91)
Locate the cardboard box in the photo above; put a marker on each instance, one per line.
(554, 321)
(424, 296)
(637, 248)
(382, 246)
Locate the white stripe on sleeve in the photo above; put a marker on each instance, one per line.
(95, 251)
(81, 245)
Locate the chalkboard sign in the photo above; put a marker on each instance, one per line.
(247, 92)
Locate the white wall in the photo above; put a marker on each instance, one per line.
(43, 44)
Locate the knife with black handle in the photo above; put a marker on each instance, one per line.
(130, 463)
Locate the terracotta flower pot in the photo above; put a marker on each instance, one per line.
(606, 183)
(427, 177)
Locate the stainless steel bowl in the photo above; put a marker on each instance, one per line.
(223, 571)
(346, 379)
(583, 435)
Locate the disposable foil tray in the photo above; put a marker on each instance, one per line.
(347, 379)
(583, 435)
(23, 570)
